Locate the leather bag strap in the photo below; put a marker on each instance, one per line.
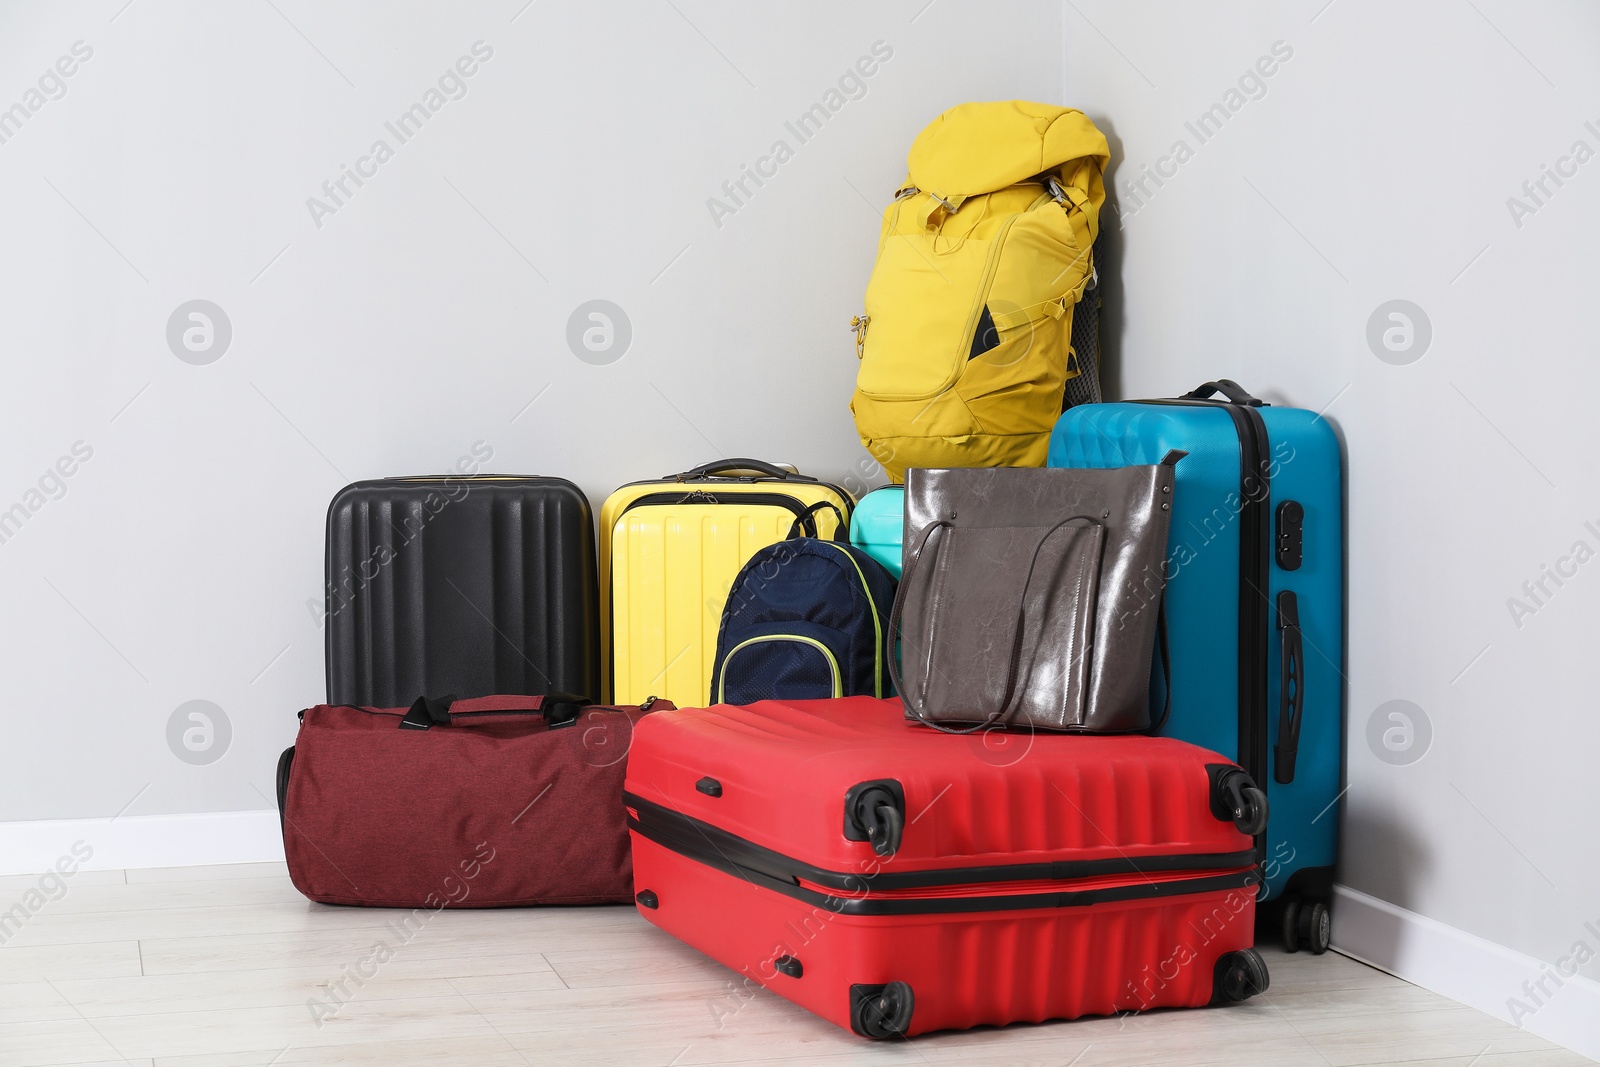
(1013, 661)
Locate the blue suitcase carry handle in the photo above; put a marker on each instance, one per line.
(1228, 388)
(1290, 683)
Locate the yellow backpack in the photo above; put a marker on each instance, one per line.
(965, 343)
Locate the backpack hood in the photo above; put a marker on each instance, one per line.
(981, 147)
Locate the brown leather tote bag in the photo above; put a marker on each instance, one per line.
(1031, 596)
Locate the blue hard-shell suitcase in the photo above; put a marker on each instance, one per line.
(1254, 608)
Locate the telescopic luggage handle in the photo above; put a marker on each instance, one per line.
(558, 709)
(1228, 388)
(732, 466)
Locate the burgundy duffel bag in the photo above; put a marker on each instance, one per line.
(474, 803)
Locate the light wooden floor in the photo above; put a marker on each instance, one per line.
(213, 966)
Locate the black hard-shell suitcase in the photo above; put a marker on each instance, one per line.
(467, 586)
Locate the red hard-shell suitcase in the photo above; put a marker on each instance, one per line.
(896, 880)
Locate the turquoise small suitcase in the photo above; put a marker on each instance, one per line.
(878, 525)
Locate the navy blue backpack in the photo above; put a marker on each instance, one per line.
(806, 618)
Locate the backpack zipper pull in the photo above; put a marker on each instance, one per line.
(858, 326)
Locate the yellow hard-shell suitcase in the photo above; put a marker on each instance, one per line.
(669, 551)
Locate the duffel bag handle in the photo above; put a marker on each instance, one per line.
(558, 709)
(729, 466)
(1228, 388)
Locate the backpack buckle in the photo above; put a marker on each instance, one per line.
(942, 209)
(1057, 193)
(858, 326)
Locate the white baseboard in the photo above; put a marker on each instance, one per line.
(133, 841)
(1466, 968)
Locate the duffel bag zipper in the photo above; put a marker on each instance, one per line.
(833, 663)
(531, 716)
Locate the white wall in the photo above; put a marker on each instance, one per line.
(421, 317)
(1376, 165)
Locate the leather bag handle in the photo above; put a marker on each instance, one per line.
(1014, 661)
(913, 560)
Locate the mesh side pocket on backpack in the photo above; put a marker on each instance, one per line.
(1084, 388)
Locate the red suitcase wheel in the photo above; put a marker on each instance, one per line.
(1239, 976)
(881, 1011)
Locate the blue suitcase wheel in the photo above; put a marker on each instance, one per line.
(1306, 925)
(1315, 927)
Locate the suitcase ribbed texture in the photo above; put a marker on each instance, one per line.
(1050, 793)
(1071, 875)
(492, 592)
(971, 970)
